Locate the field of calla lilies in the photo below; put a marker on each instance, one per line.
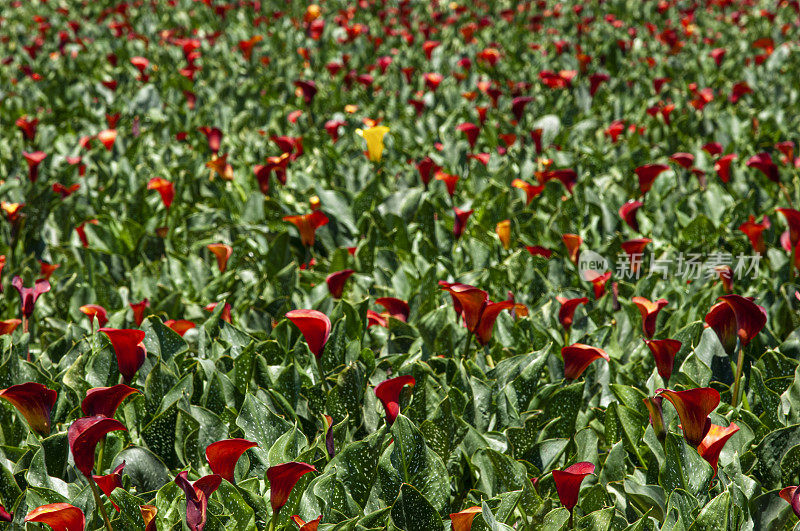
(404, 265)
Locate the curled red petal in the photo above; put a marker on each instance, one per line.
(83, 436)
(222, 456)
(388, 392)
(315, 327)
(282, 479)
(578, 357)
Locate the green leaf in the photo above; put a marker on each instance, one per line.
(412, 512)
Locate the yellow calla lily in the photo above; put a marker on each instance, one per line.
(374, 138)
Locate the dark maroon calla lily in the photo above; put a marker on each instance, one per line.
(315, 327)
(29, 296)
(577, 357)
(714, 442)
(649, 311)
(792, 497)
(222, 456)
(568, 482)
(736, 317)
(197, 495)
(336, 282)
(128, 347)
(282, 479)
(763, 162)
(388, 392)
(567, 311)
(105, 400)
(647, 175)
(518, 106)
(109, 482)
(664, 351)
(59, 516)
(396, 308)
(693, 407)
(308, 89)
(84, 434)
(628, 213)
(34, 401)
(427, 168)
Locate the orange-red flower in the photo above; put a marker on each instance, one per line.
(462, 520)
(449, 181)
(693, 407)
(221, 252)
(649, 311)
(460, 221)
(471, 131)
(128, 348)
(107, 138)
(226, 311)
(149, 516)
(736, 317)
(388, 392)
(714, 442)
(34, 401)
(531, 190)
(95, 311)
(222, 456)
(628, 213)
(315, 327)
(59, 516)
(311, 525)
(179, 326)
(165, 189)
(598, 281)
(8, 326)
(109, 482)
(577, 357)
(282, 479)
(754, 232)
(573, 244)
(307, 225)
(503, 230)
(647, 175)
(138, 310)
(33, 160)
(635, 249)
(653, 405)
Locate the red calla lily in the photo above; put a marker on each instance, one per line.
(128, 348)
(474, 306)
(793, 220)
(164, 188)
(33, 160)
(307, 225)
(179, 326)
(684, 160)
(336, 282)
(714, 442)
(647, 175)
(471, 131)
(568, 482)
(226, 311)
(598, 281)
(426, 168)
(34, 401)
(59, 516)
(5, 516)
(396, 308)
(109, 482)
(107, 137)
(105, 400)
(138, 310)
(462, 520)
(197, 495)
(388, 392)
(628, 213)
(315, 327)
(653, 405)
(664, 351)
(27, 127)
(29, 296)
(577, 357)
(460, 221)
(214, 137)
(84, 434)
(282, 479)
(635, 249)
(221, 252)
(693, 407)
(736, 317)
(567, 310)
(449, 181)
(649, 311)
(222, 456)
(763, 162)
(754, 231)
(723, 166)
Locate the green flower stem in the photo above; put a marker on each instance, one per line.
(99, 502)
(739, 363)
